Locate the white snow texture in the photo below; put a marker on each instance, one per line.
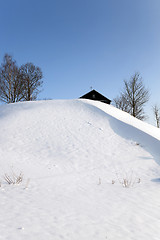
(91, 172)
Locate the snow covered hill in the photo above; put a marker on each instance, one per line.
(76, 157)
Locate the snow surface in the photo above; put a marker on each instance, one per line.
(74, 155)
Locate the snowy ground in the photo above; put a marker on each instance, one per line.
(71, 151)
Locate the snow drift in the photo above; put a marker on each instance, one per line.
(72, 151)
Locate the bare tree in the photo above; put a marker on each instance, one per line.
(31, 77)
(19, 84)
(133, 97)
(156, 114)
(121, 103)
(10, 83)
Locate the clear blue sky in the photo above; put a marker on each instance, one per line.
(84, 43)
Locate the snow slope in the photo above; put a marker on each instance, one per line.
(71, 151)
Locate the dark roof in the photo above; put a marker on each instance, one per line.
(94, 95)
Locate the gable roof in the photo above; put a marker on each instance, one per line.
(94, 95)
